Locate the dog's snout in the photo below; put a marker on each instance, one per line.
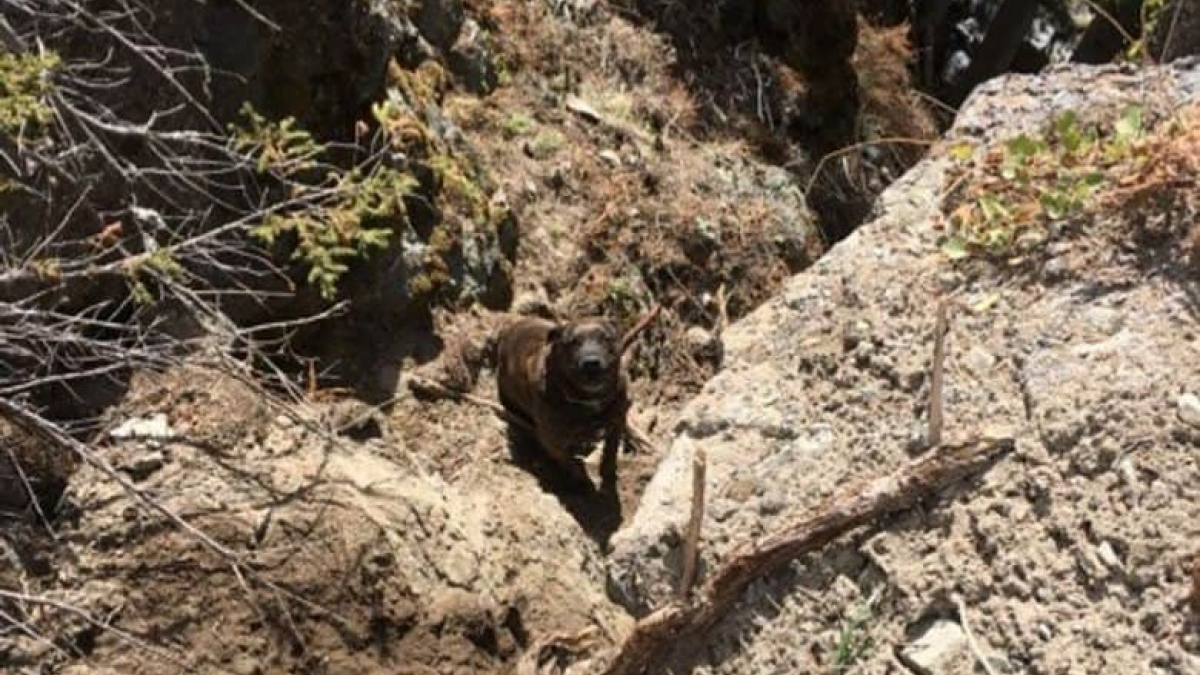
(592, 365)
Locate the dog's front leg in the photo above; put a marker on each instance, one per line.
(608, 460)
(568, 463)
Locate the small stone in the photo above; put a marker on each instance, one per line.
(1104, 319)
(1128, 472)
(611, 157)
(1189, 409)
(1089, 561)
(1055, 268)
(937, 649)
(155, 427)
(854, 334)
(1109, 557)
(703, 345)
(978, 360)
(145, 464)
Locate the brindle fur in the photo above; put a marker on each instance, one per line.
(538, 385)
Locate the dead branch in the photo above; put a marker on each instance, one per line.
(50, 432)
(641, 325)
(103, 624)
(428, 387)
(937, 378)
(691, 545)
(654, 634)
(586, 111)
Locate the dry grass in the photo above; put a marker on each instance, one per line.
(891, 107)
(641, 200)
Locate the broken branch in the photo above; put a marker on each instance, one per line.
(691, 546)
(853, 508)
(641, 325)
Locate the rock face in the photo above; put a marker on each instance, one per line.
(1071, 555)
(322, 62)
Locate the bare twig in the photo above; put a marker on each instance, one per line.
(722, 310)
(691, 545)
(430, 387)
(855, 147)
(1112, 20)
(852, 508)
(40, 427)
(15, 462)
(641, 325)
(106, 625)
(971, 643)
(937, 377)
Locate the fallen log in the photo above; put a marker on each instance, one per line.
(854, 507)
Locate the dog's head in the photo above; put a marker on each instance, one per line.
(587, 353)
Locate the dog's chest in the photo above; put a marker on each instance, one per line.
(580, 424)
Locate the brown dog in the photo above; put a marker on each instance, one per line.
(565, 381)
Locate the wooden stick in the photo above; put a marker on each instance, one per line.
(722, 310)
(937, 379)
(432, 388)
(631, 335)
(654, 634)
(691, 545)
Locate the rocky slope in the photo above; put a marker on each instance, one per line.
(1069, 557)
(333, 537)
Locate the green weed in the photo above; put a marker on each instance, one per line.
(1009, 197)
(853, 644)
(24, 84)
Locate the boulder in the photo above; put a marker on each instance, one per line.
(825, 385)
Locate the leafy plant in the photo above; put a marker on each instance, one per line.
(547, 144)
(460, 185)
(329, 236)
(517, 124)
(398, 121)
(277, 146)
(160, 261)
(24, 84)
(357, 218)
(1010, 197)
